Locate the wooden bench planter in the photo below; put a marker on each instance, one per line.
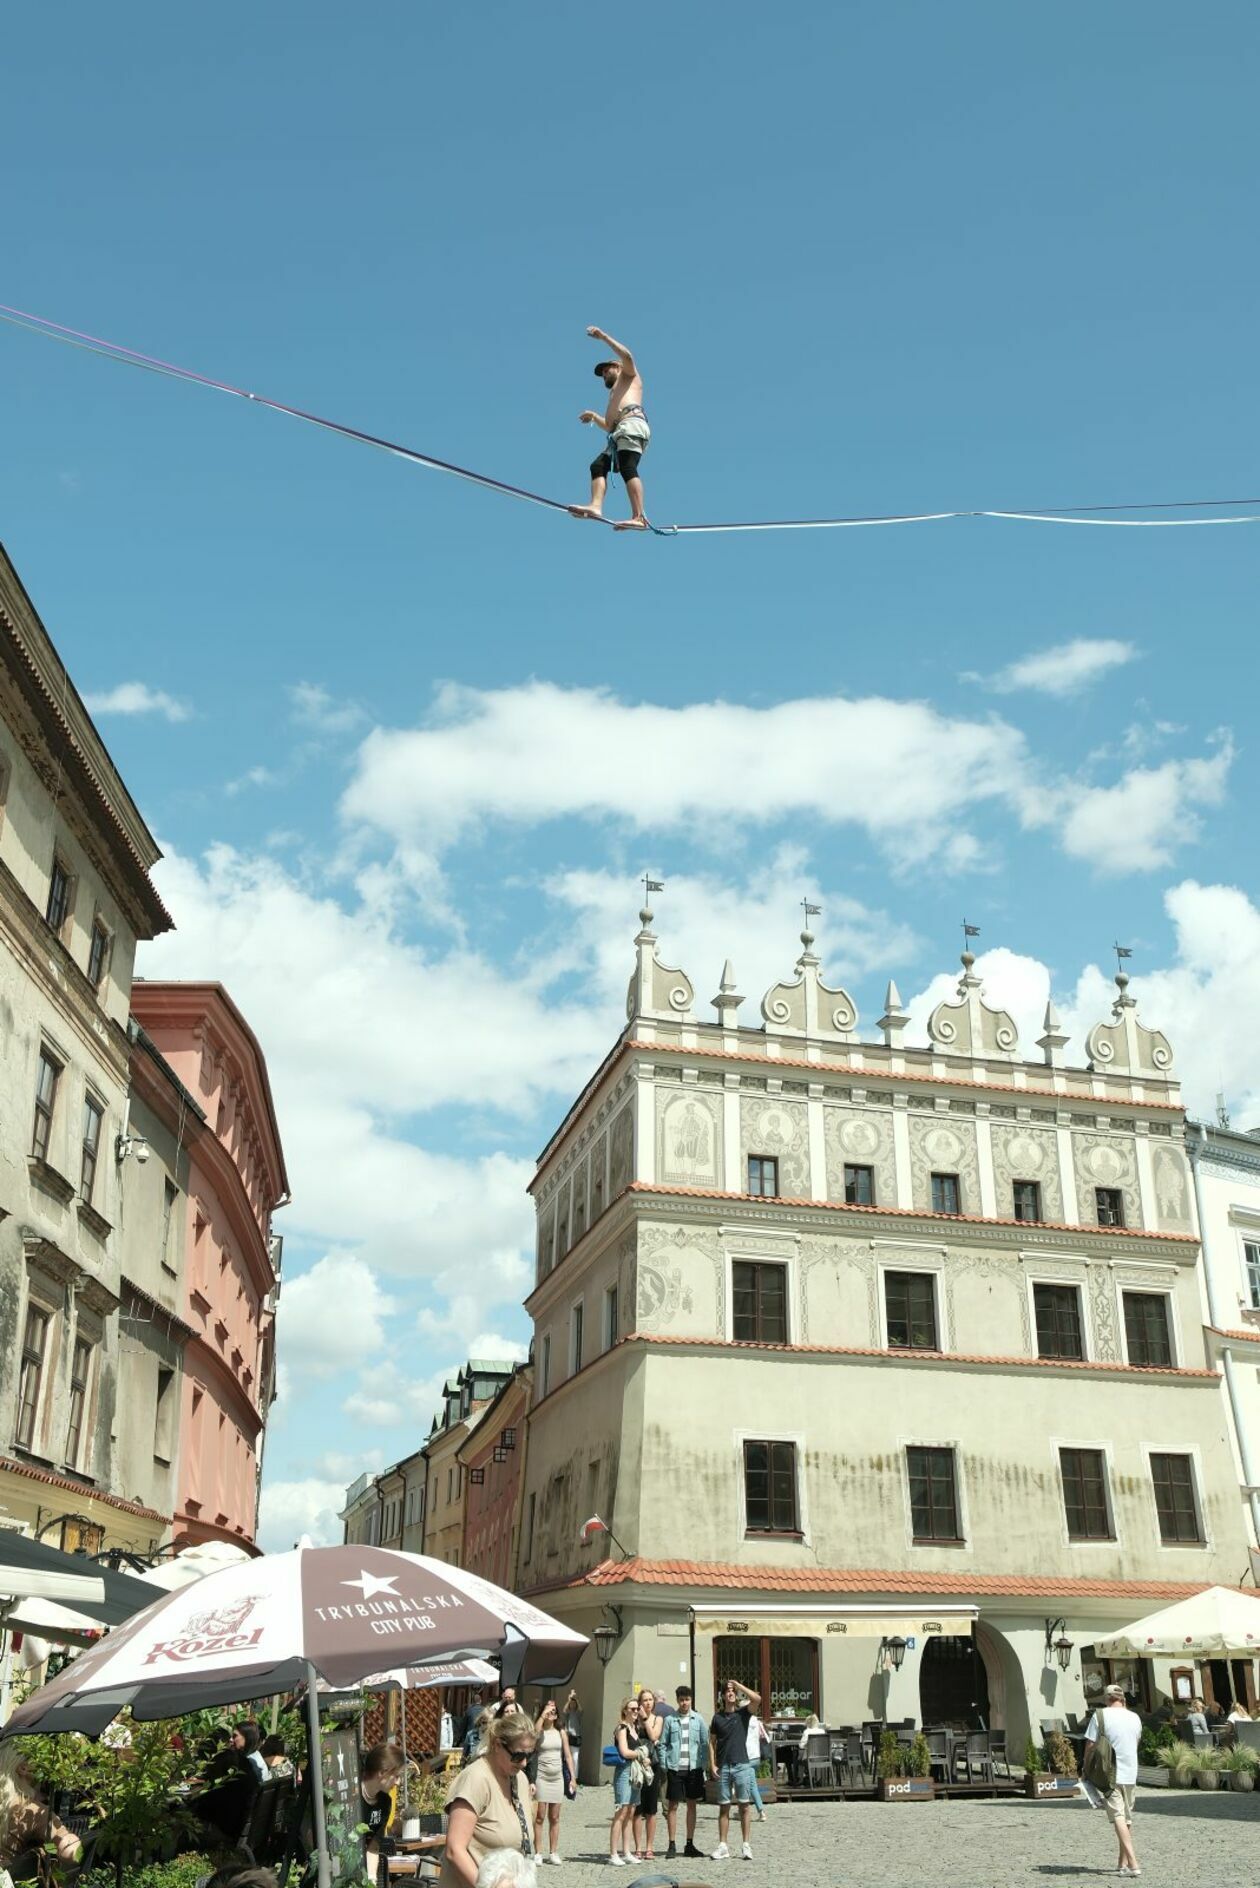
(907, 1789)
(1050, 1788)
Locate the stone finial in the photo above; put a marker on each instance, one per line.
(1053, 1042)
(895, 1020)
(1125, 1045)
(656, 992)
(971, 1026)
(807, 1006)
(727, 1001)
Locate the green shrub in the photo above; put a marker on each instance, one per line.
(891, 1762)
(184, 1872)
(1032, 1758)
(920, 1763)
(1059, 1755)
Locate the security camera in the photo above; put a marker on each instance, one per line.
(142, 1151)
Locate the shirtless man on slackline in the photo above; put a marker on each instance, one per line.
(628, 433)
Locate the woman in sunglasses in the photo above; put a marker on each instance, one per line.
(490, 1804)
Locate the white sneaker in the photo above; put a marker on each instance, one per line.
(617, 1861)
(554, 1859)
(721, 1853)
(746, 1852)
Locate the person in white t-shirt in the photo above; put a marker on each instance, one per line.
(1124, 1728)
(756, 1736)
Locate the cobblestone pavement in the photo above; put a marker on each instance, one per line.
(1181, 1836)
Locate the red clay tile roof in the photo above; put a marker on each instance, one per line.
(923, 1356)
(10, 1467)
(1243, 1337)
(912, 1212)
(852, 1580)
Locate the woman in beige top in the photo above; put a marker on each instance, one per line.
(490, 1804)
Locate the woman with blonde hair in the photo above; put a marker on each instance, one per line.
(650, 1726)
(27, 1825)
(626, 1780)
(489, 1805)
(554, 1760)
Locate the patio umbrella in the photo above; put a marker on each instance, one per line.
(288, 1620)
(29, 1570)
(1220, 1622)
(194, 1564)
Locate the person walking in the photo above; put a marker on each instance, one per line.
(1123, 1729)
(554, 1758)
(684, 1741)
(489, 1806)
(651, 1725)
(728, 1762)
(628, 432)
(626, 1786)
(757, 1742)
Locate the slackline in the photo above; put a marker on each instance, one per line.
(1064, 514)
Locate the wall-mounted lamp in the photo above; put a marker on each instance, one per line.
(1058, 1646)
(606, 1635)
(894, 1650)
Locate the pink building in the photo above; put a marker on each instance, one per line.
(236, 1179)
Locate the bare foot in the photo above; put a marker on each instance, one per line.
(631, 524)
(585, 511)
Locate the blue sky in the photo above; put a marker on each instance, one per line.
(408, 745)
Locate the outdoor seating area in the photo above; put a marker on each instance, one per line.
(843, 1760)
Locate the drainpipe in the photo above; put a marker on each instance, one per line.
(1194, 1148)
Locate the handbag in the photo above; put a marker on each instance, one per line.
(1100, 1764)
(612, 1756)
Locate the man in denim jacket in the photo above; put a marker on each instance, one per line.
(684, 1752)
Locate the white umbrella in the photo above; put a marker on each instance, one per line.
(194, 1564)
(1220, 1622)
(288, 1620)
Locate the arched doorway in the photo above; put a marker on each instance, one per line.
(953, 1684)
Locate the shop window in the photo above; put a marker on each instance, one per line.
(783, 1669)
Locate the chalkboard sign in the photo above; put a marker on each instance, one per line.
(343, 1802)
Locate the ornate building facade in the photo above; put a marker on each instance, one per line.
(884, 1362)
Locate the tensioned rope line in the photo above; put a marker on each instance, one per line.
(1066, 514)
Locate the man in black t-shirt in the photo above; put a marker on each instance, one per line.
(728, 1762)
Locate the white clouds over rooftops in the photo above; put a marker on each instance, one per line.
(135, 698)
(907, 774)
(1063, 670)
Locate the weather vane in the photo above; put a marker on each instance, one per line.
(811, 911)
(969, 931)
(1122, 951)
(651, 885)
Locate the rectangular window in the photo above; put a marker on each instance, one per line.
(1027, 1199)
(93, 1115)
(170, 1194)
(79, 1368)
(612, 1317)
(859, 1186)
(31, 1374)
(759, 1303)
(910, 1308)
(1251, 1258)
(57, 909)
(164, 1415)
(530, 1510)
(933, 1494)
(770, 1488)
(1175, 1504)
(763, 1176)
(1085, 1494)
(544, 1371)
(45, 1103)
(1058, 1312)
(1146, 1329)
(1109, 1206)
(98, 954)
(946, 1197)
(577, 1318)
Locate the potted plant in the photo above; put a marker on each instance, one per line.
(765, 1780)
(1207, 1774)
(1050, 1770)
(1180, 1761)
(898, 1782)
(423, 1804)
(1238, 1767)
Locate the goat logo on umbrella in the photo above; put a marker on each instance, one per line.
(219, 1630)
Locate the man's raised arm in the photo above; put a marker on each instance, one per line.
(623, 353)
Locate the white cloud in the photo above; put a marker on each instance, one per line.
(252, 777)
(1137, 824)
(901, 770)
(315, 707)
(331, 1315)
(913, 779)
(1063, 670)
(135, 698)
(1011, 982)
(389, 1396)
(289, 1509)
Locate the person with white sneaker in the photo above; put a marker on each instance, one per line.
(728, 1762)
(627, 1784)
(1123, 1728)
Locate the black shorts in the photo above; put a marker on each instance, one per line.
(650, 1796)
(685, 1786)
(627, 465)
